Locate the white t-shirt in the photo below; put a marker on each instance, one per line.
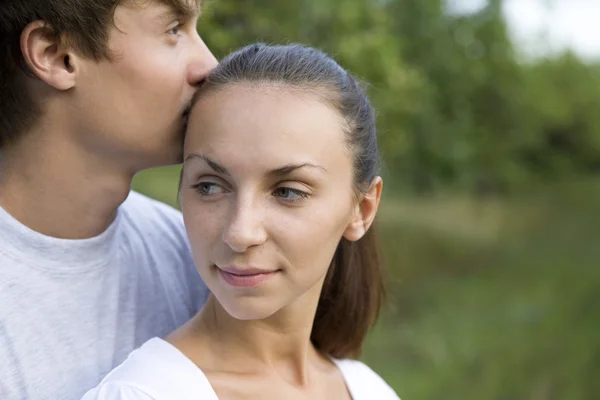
(72, 310)
(159, 371)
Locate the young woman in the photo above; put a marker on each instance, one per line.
(279, 189)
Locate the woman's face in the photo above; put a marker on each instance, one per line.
(267, 194)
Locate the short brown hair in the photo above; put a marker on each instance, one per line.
(354, 289)
(83, 23)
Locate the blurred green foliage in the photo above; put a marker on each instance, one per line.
(493, 300)
(458, 107)
(491, 218)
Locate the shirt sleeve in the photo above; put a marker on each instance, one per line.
(364, 383)
(117, 391)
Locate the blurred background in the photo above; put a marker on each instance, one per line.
(491, 216)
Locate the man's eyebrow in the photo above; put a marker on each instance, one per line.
(288, 169)
(167, 16)
(215, 166)
(180, 9)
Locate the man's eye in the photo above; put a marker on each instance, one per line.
(175, 30)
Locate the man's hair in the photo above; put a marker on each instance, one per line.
(84, 24)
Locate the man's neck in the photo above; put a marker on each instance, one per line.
(54, 188)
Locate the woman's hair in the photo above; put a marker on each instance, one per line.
(353, 291)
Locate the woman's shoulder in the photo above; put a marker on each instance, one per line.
(155, 371)
(363, 382)
(117, 391)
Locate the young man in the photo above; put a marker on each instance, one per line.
(91, 92)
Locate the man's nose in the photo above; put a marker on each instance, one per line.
(202, 62)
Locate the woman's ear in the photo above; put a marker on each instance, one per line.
(365, 211)
(48, 58)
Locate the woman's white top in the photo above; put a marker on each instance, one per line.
(159, 371)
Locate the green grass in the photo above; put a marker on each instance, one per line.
(488, 300)
(506, 306)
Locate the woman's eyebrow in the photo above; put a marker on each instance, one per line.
(281, 171)
(289, 168)
(214, 165)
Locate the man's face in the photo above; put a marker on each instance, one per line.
(133, 108)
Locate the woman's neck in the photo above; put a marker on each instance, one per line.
(216, 341)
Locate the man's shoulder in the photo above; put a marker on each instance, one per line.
(152, 218)
(146, 208)
(154, 231)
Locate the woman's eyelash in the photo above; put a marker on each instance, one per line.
(286, 194)
(202, 186)
(299, 193)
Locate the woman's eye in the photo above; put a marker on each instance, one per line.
(208, 189)
(289, 194)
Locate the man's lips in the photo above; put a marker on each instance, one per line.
(186, 113)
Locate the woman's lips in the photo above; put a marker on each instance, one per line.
(246, 277)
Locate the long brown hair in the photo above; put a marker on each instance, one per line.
(353, 291)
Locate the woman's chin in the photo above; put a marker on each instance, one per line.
(247, 312)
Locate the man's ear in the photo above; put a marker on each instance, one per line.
(51, 60)
(365, 211)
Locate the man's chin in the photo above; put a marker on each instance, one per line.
(175, 157)
(163, 159)
(175, 149)
(179, 144)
